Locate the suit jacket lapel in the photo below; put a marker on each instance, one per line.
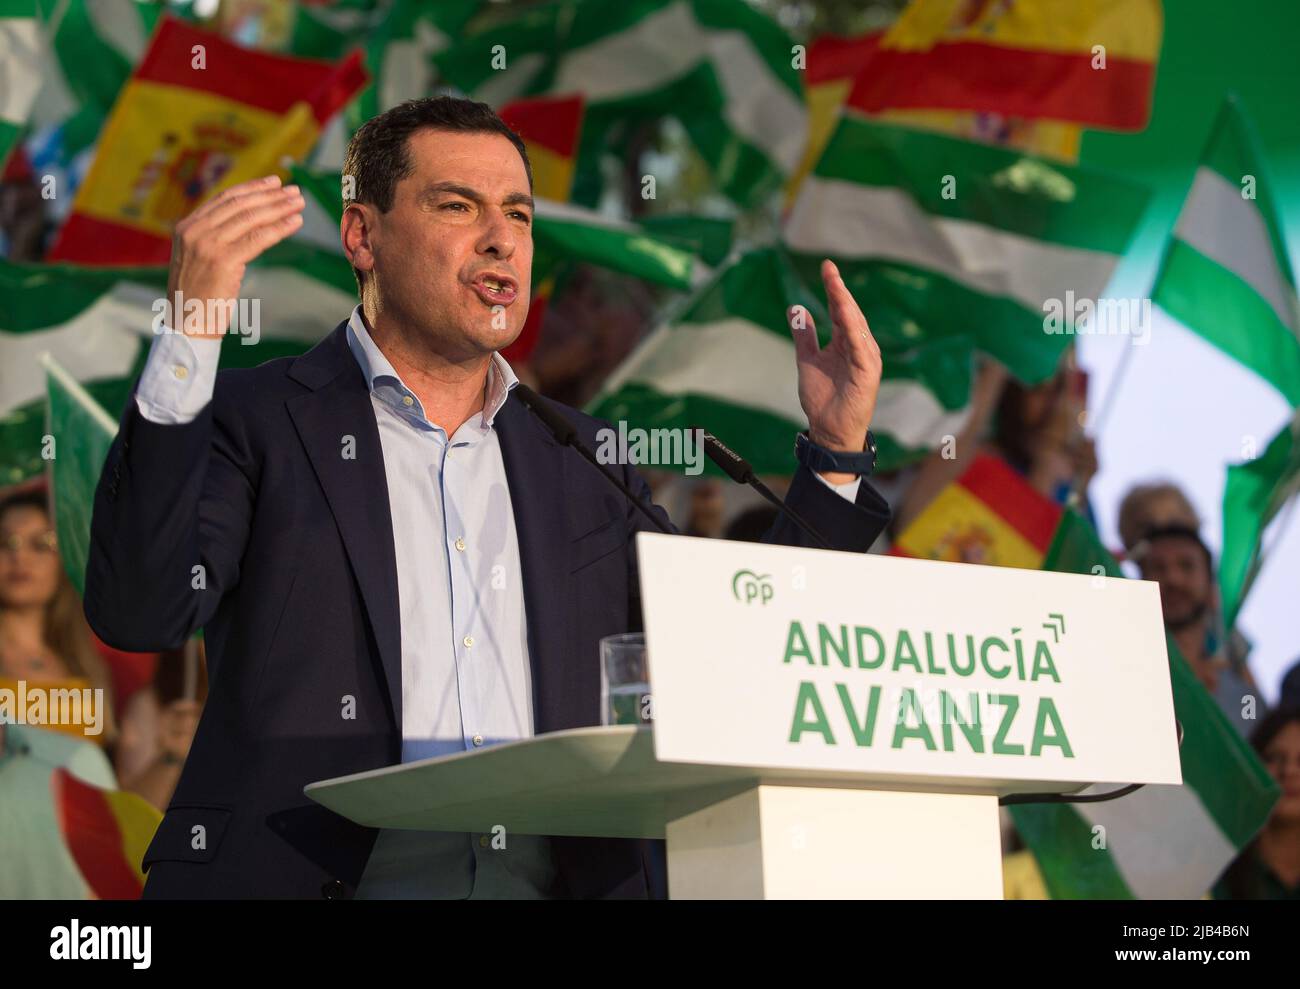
(536, 471)
(339, 406)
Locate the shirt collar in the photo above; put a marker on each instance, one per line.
(387, 385)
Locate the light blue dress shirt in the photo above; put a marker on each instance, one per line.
(466, 678)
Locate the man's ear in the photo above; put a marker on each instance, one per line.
(355, 231)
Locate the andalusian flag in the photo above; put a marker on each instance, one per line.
(1087, 61)
(400, 42)
(95, 46)
(722, 68)
(96, 323)
(21, 60)
(1161, 842)
(1253, 496)
(989, 515)
(727, 363)
(81, 433)
(938, 237)
(199, 114)
(1226, 273)
(107, 832)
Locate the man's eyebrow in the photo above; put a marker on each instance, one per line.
(513, 199)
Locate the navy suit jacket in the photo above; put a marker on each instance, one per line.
(249, 523)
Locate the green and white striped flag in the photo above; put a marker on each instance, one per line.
(938, 237)
(96, 44)
(400, 38)
(21, 60)
(726, 362)
(80, 432)
(96, 323)
(721, 67)
(1252, 497)
(1226, 274)
(565, 232)
(1160, 842)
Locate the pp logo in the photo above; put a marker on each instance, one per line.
(749, 587)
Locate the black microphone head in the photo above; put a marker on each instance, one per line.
(556, 424)
(732, 463)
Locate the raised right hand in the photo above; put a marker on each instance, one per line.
(212, 246)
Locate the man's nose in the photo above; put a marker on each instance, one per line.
(497, 239)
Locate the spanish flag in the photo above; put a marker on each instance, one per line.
(1088, 61)
(107, 832)
(198, 115)
(835, 65)
(549, 128)
(989, 515)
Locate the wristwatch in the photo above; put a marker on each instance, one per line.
(821, 460)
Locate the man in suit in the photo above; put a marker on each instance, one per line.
(390, 557)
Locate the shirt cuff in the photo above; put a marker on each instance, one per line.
(179, 377)
(848, 490)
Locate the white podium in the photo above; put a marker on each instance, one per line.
(732, 832)
(828, 725)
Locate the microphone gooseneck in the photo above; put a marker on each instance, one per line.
(737, 468)
(566, 435)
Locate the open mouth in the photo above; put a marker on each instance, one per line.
(496, 289)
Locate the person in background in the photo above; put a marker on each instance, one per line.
(750, 524)
(707, 506)
(1035, 429)
(1175, 557)
(1290, 691)
(159, 725)
(1153, 506)
(44, 638)
(1038, 431)
(1269, 867)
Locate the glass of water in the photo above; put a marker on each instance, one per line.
(624, 680)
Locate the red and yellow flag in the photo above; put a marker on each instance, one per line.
(1092, 62)
(198, 115)
(831, 85)
(549, 127)
(989, 515)
(107, 832)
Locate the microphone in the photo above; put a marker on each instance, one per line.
(566, 435)
(737, 468)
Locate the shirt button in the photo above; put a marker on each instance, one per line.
(469, 641)
(483, 841)
(181, 371)
(460, 545)
(408, 401)
(478, 739)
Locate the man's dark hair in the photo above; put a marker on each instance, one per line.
(379, 155)
(1183, 532)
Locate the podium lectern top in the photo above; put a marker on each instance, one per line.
(584, 781)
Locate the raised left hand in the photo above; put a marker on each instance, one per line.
(838, 383)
